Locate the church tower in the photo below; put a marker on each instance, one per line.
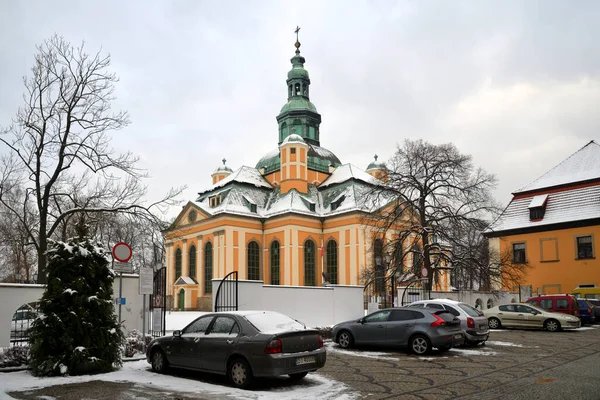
(299, 116)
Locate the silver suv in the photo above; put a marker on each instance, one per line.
(472, 321)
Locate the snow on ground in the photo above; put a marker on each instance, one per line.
(471, 352)
(495, 343)
(587, 328)
(333, 348)
(312, 387)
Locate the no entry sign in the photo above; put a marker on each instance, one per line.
(122, 252)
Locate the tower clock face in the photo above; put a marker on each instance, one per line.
(192, 216)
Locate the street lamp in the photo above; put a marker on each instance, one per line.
(35, 276)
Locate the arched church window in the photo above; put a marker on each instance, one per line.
(208, 267)
(305, 90)
(192, 261)
(379, 266)
(177, 263)
(309, 263)
(275, 257)
(332, 262)
(297, 89)
(290, 90)
(253, 261)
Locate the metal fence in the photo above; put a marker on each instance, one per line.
(21, 322)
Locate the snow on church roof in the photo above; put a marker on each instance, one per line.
(583, 165)
(346, 172)
(244, 174)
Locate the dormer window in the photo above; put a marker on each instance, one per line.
(215, 201)
(337, 202)
(250, 204)
(537, 207)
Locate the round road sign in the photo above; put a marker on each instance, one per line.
(122, 252)
(424, 272)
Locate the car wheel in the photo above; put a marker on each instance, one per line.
(444, 349)
(420, 345)
(552, 325)
(345, 339)
(239, 373)
(298, 376)
(494, 323)
(159, 361)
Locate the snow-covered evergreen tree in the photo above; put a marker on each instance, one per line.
(77, 331)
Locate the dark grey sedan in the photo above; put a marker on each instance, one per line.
(419, 329)
(241, 345)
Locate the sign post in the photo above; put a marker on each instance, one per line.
(146, 281)
(121, 252)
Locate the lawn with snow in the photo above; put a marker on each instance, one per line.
(312, 387)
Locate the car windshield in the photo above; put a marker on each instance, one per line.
(471, 311)
(271, 322)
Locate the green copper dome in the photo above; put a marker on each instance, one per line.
(298, 103)
(293, 138)
(376, 164)
(223, 168)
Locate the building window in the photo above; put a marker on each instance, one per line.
(536, 213)
(253, 262)
(332, 262)
(309, 264)
(215, 201)
(208, 267)
(585, 248)
(275, 263)
(177, 263)
(192, 261)
(379, 268)
(518, 253)
(293, 150)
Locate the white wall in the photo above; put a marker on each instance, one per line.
(471, 297)
(315, 306)
(13, 296)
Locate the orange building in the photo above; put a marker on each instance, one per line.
(295, 219)
(553, 224)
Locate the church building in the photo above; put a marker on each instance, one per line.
(296, 218)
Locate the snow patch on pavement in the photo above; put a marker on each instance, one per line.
(368, 354)
(312, 387)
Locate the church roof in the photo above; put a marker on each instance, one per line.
(293, 138)
(583, 165)
(349, 171)
(247, 175)
(373, 165)
(319, 158)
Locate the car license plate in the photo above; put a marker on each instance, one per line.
(484, 326)
(458, 336)
(305, 360)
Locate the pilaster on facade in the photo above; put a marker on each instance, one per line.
(185, 265)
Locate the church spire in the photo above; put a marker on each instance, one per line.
(299, 116)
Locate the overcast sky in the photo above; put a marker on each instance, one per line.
(515, 84)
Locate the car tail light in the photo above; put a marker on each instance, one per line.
(320, 341)
(274, 347)
(470, 322)
(438, 321)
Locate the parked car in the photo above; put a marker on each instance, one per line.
(22, 320)
(560, 303)
(586, 313)
(521, 315)
(419, 329)
(595, 303)
(241, 345)
(472, 321)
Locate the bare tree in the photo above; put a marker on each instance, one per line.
(59, 146)
(431, 190)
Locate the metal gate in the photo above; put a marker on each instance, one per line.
(227, 293)
(158, 303)
(414, 291)
(379, 293)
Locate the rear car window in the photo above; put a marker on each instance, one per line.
(405, 315)
(452, 310)
(435, 305)
(418, 305)
(471, 311)
(273, 322)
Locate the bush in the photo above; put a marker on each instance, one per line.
(134, 343)
(15, 356)
(325, 332)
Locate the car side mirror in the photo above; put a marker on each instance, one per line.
(362, 320)
(177, 333)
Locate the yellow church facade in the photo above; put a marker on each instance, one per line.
(297, 218)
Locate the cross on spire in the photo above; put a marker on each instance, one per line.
(297, 41)
(296, 32)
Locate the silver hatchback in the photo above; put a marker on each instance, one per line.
(473, 322)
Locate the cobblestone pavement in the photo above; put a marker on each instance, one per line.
(509, 361)
(512, 364)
